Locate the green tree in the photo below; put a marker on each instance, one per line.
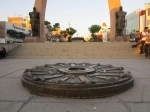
(94, 29)
(55, 26)
(48, 25)
(71, 31)
(64, 33)
(47, 22)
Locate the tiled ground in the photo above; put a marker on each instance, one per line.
(15, 98)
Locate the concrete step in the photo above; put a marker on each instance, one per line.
(74, 57)
(75, 50)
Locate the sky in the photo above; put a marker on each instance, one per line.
(81, 14)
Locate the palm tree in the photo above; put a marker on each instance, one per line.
(94, 29)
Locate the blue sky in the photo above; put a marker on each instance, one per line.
(81, 14)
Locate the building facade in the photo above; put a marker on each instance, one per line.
(12, 33)
(21, 21)
(142, 20)
(147, 11)
(132, 22)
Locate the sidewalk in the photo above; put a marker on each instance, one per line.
(15, 98)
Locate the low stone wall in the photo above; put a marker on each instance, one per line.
(9, 47)
(77, 40)
(122, 38)
(32, 40)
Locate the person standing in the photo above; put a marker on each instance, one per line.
(144, 34)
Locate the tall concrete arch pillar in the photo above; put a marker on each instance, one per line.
(41, 7)
(113, 7)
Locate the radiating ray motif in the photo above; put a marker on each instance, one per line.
(77, 80)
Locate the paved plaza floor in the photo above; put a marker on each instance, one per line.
(15, 98)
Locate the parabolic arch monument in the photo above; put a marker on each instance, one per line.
(113, 7)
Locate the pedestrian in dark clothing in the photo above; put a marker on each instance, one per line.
(2, 52)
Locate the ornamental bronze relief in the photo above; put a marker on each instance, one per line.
(77, 80)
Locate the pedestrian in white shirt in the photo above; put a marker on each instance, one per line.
(144, 34)
(147, 46)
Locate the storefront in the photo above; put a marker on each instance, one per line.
(11, 33)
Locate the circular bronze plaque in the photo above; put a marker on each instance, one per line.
(77, 80)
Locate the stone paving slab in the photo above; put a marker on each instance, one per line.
(137, 75)
(15, 98)
(10, 106)
(9, 68)
(74, 107)
(138, 65)
(139, 107)
(11, 89)
(146, 92)
(136, 93)
(16, 74)
(112, 99)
